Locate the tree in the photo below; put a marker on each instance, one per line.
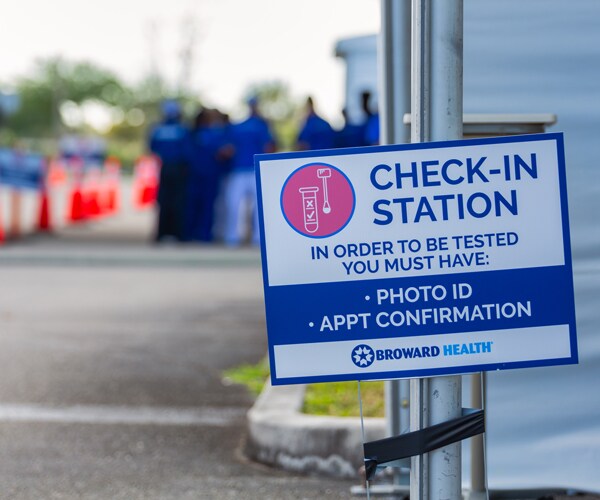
(60, 96)
(54, 82)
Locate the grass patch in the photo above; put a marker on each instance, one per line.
(252, 376)
(333, 398)
(341, 399)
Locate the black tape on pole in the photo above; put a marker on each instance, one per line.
(471, 423)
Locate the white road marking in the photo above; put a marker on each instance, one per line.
(136, 415)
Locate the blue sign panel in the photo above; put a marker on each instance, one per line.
(21, 170)
(416, 260)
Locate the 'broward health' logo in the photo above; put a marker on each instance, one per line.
(317, 200)
(363, 356)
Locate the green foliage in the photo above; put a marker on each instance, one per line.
(82, 81)
(53, 83)
(127, 151)
(336, 399)
(54, 98)
(341, 399)
(37, 113)
(252, 376)
(8, 139)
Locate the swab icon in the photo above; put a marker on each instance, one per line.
(325, 173)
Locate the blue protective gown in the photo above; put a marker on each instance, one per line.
(204, 177)
(351, 136)
(250, 137)
(170, 141)
(372, 130)
(316, 133)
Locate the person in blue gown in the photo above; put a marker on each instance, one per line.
(316, 132)
(249, 137)
(208, 143)
(351, 135)
(169, 140)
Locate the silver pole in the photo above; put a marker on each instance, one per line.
(394, 83)
(394, 91)
(436, 115)
(445, 398)
(419, 416)
(386, 124)
(478, 484)
(401, 70)
(445, 463)
(394, 71)
(386, 75)
(420, 71)
(419, 132)
(446, 70)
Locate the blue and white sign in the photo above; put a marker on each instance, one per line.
(416, 260)
(21, 170)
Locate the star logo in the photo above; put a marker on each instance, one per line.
(363, 356)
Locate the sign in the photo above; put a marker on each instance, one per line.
(21, 170)
(416, 260)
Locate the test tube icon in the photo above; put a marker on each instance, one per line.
(309, 206)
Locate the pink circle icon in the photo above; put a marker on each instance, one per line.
(317, 200)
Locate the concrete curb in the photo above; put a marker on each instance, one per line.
(281, 436)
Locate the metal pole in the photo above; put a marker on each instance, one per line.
(394, 68)
(419, 416)
(478, 486)
(445, 463)
(401, 70)
(394, 91)
(386, 76)
(420, 70)
(436, 114)
(446, 111)
(419, 132)
(446, 70)
(394, 82)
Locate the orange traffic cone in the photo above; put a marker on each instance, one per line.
(76, 211)
(112, 169)
(91, 195)
(149, 193)
(44, 223)
(56, 173)
(146, 181)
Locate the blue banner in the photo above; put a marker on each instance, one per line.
(22, 170)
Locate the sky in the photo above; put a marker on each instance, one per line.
(236, 42)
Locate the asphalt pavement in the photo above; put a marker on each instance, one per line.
(111, 358)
